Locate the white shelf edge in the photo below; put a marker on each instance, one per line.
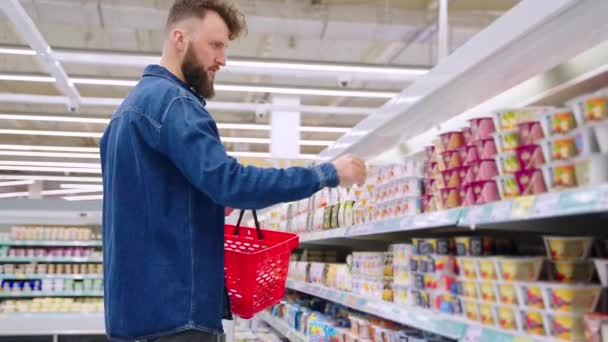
(57, 259)
(406, 315)
(283, 328)
(575, 202)
(51, 243)
(49, 276)
(52, 294)
(41, 324)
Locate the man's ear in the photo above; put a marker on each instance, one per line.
(178, 39)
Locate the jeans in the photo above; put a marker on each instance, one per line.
(190, 336)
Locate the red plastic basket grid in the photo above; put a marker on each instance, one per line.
(256, 270)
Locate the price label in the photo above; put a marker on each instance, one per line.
(522, 206)
(501, 211)
(476, 215)
(473, 334)
(547, 204)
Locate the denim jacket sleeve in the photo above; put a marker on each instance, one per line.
(190, 139)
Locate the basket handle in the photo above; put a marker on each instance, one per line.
(255, 219)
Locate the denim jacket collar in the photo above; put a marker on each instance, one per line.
(156, 70)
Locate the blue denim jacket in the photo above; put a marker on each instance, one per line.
(167, 179)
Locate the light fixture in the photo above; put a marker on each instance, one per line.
(48, 169)
(51, 178)
(27, 78)
(249, 88)
(49, 148)
(53, 118)
(83, 198)
(14, 194)
(245, 154)
(17, 51)
(80, 186)
(235, 126)
(51, 133)
(105, 58)
(68, 191)
(50, 164)
(50, 154)
(16, 183)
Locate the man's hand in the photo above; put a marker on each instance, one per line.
(351, 170)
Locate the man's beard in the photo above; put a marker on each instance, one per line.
(196, 76)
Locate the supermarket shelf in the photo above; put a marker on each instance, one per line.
(52, 294)
(492, 61)
(441, 324)
(283, 328)
(55, 259)
(40, 324)
(50, 276)
(51, 243)
(55, 212)
(506, 214)
(583, 201)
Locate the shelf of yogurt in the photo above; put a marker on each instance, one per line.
(503, 294)
(306, 319)
(50, 236)
(51, 305)
(43, 270)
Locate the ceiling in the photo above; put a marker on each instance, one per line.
(383, 33)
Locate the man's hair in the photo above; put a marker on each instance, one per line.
(184, 9)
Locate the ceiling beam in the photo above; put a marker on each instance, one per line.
(29, 32)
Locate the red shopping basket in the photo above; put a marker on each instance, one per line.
(256, 263)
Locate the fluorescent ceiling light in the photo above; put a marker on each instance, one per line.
(68, 191)
(49, 169)
(27, 78)
(51, 118)
(50, 154)
(80, 186)
(105, 58)
(267, 141)
(14, 194)
(50, 164)
(49, 148)
(267, 155)
(83, 198)
(16, 183)
(347, 69)
(219, 87)
(51, 133)
(51, 178)
(17, 51)
(104, 81)
(305, 91)
(236, 126)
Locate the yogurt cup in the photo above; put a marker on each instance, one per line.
(601, 265)
(591, 107)
(530, 182)
(482, 128)
(472, 154)
(508, 163)
(519, 268)
(507, 141)
(571, 298)
(507, 318)
(580, 271)
(558, 121)
(486, 148)
(508, 186)
(452, 140)
(450, 198)
(488, 291)
(473, 245)
(487, 314)
(450, 160)
(530, 295)
(507, 294)
(530, 156)
(534, 322)
(566, 327)
(486, 268)
(567, 248)
(530, 132)
(507, 119)
(468, 267)
(580, 141)
(591, 169)
(559, 175)
(471, 309)
(467, 133)
(487, 170)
